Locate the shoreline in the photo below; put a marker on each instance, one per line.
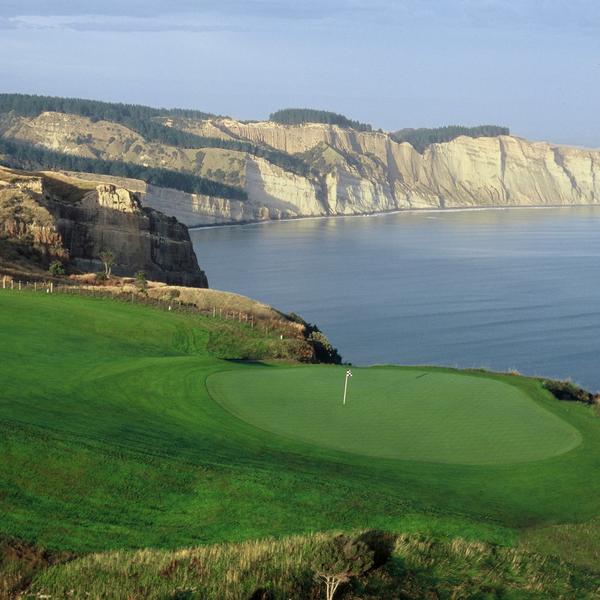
(393, 212)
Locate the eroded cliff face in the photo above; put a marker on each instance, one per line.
(350, 172)
(379, 174)
(71, 220)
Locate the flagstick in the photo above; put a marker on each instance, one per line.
(345, 388)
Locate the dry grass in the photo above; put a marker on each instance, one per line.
(579, 541)
(418, 568)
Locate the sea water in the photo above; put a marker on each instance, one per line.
(500, 289)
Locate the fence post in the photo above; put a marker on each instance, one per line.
(12, 284)
(4, 282)
(51, 287)
(19, 285)
(35, 286)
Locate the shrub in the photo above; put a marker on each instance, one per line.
(324, 350)
(339, 559)
(381, 543)
(173, 293)
(56, 268)
(567, 390)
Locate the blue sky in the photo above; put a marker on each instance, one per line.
(530, 64)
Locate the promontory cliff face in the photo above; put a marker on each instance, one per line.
(47, 216)
(347, 172)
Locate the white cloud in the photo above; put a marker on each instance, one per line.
(201, 15)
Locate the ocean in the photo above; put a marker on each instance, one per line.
(500, 289)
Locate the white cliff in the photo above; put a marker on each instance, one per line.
(350, 172)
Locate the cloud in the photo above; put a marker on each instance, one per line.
(263, 15)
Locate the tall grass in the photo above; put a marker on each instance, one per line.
(419, 567)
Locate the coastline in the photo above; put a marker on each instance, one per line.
(394, 212)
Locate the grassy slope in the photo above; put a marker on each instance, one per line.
(110, 439)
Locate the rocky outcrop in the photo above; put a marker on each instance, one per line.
(350, 172)
(71, 220)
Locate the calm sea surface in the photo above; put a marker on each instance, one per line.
(502, 289)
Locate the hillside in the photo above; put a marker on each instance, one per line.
(270, 170)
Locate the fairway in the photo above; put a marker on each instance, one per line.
(401, 413)
(121, 426)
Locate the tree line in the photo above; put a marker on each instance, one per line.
(141, 119)
(31, 105)
(297, 116)
(423, 137)
(22, 155)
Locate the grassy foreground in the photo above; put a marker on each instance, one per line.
(111, 439)
(281, 569)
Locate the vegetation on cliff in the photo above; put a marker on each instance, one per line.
(423, 137)
(23, 155)
(297, 116)
(141, 119)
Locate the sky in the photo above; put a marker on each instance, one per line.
(531, 65)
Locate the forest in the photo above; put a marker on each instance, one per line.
(297, 116)
(142, 119)
(22, 155)
(423, 137)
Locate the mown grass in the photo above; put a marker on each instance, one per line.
(418, 567)
(110, 440)
(403, 413)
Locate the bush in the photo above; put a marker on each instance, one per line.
(381, 543)
(56, 268)
(325, 352)
(566, 390)
(340, 559)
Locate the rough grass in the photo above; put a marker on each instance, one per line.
(109, 439)
(419, 567)
(580, 542)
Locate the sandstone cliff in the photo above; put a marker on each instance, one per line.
(50, 216)
(350, 172)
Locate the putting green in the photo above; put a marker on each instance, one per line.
(402, 413)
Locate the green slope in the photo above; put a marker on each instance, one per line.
(110, 438)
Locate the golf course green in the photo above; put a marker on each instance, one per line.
(123, 426)
(407, 414)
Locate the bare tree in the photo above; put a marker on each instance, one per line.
(108, 258)
(340, 559)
